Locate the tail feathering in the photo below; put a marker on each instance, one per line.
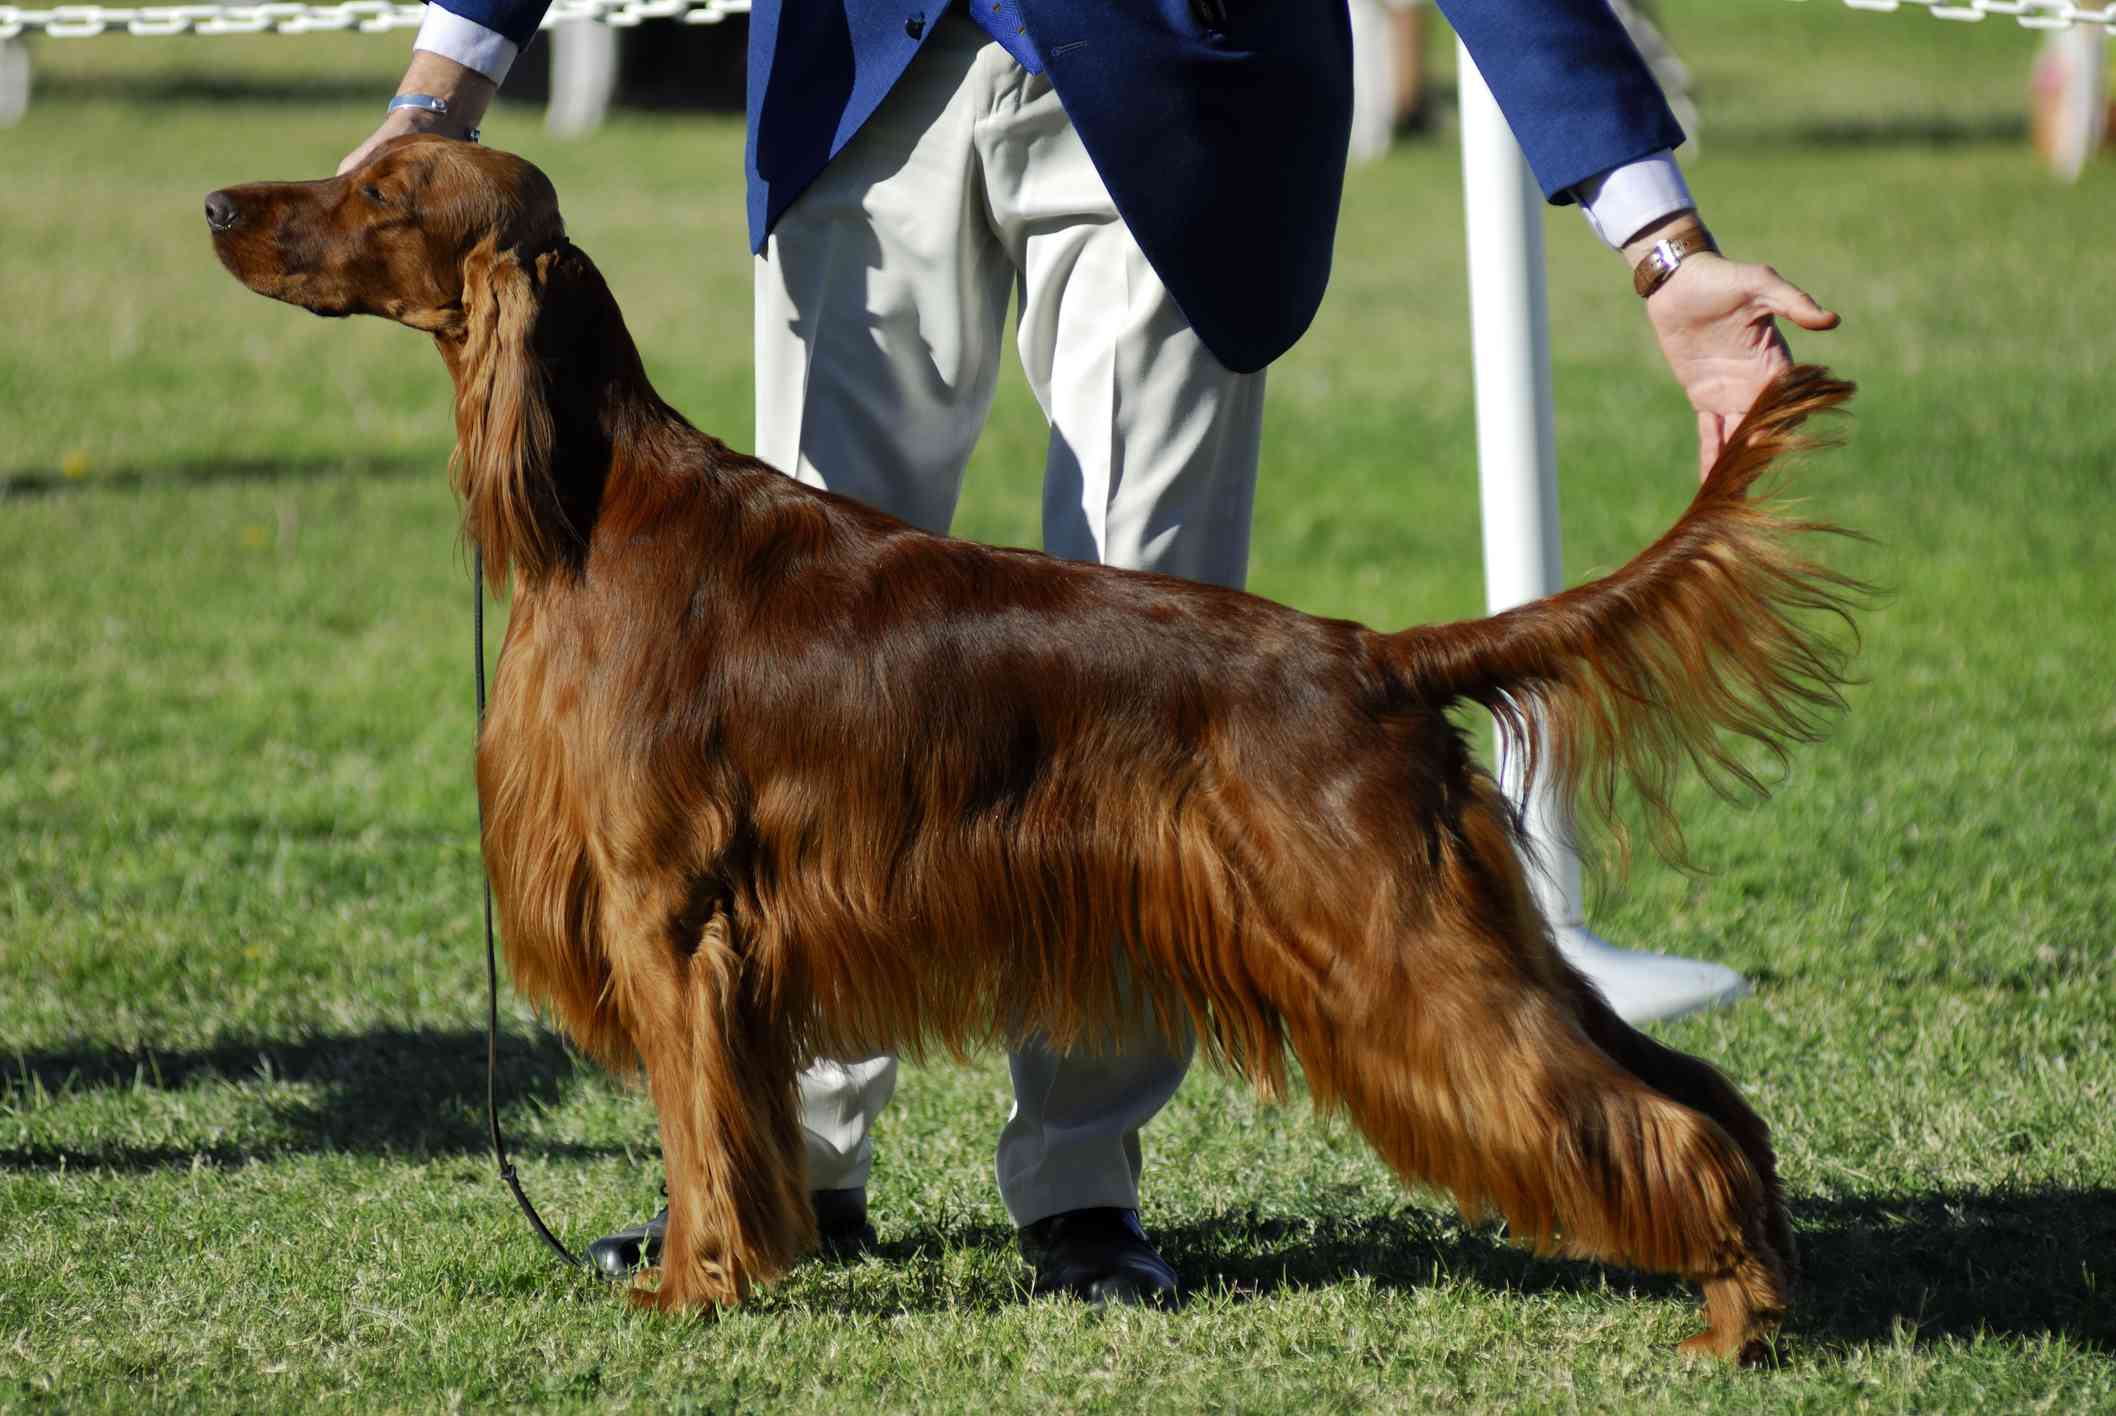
(1709, 634)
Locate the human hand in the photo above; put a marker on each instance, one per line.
(395, 124)
(1716, 322)
(466, 92)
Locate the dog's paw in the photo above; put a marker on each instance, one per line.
(1741, 1350)
(660, 1290)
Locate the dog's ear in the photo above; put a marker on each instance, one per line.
(504, 435)
(572, 293)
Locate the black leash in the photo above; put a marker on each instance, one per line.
(492, 963)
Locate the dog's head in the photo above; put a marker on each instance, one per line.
(465, 243)
(411, 235)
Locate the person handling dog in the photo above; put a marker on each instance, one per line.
(1159, 180)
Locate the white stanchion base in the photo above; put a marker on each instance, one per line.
(14, 82)
(584, 64)
(1647, 988)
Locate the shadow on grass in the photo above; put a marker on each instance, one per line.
(203, 87)
(81, 824)
(1940, 1266)
(1953, 1264)
(1936, 1266)
(1909, 130)
(47, 482)
(1944, 1266)
(402, 1092)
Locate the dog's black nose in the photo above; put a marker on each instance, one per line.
(220, 210)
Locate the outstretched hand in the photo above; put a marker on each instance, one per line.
(1716, 321)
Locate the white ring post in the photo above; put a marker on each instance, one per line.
(14, 82)
(1518, 486)
(584, 66)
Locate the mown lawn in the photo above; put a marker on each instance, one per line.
(241, 1152)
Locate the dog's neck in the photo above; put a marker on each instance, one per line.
(575, 401)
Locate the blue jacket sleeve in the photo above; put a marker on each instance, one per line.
(1571, 84)
(516, 19)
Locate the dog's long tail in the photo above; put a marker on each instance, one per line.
(1711, 631)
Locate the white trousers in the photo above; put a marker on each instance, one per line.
(881, 309)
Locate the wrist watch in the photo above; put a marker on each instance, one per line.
(1661, 261)
(427, 102)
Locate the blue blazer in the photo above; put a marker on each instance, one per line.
(1219, 126)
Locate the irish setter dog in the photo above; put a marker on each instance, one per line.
(769, 775)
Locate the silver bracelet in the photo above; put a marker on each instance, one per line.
(428, 103)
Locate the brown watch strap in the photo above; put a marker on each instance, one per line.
(1662, 259)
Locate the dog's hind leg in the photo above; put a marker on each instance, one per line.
(1465, 1060)
(1698, 1085)
(721, 1071)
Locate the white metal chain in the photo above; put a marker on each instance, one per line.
(2029, 14)
(368, 16)
(84, 21)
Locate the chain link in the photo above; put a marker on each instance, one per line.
(2028, 14)
(367, 16)
(371, 16)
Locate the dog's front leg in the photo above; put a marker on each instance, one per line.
(721, 1073)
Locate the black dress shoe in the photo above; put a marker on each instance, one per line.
(618, 1254)
(841, 1222)
(841, 1217)
(1101, 1255)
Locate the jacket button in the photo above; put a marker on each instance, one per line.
(915, 26)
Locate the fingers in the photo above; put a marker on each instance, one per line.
(362, 153)
(1809, 315)
(1789, 302)
(396, 124)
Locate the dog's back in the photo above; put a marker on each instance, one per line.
(984, 754)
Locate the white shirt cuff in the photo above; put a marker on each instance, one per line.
(1626, 200)
(467, 42)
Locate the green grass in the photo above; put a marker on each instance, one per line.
(240, 1147)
